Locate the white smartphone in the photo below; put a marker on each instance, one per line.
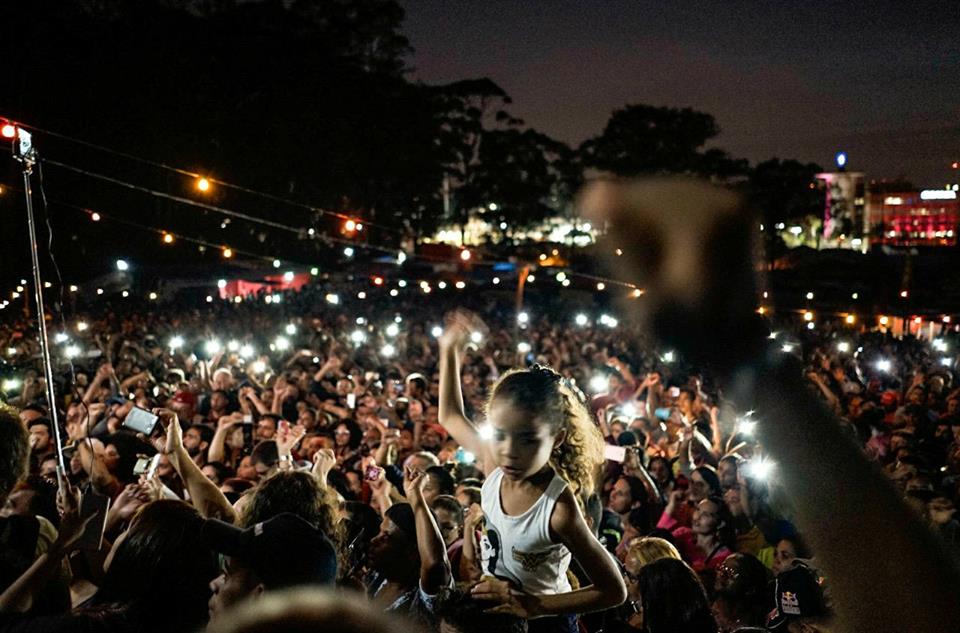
(615, 453)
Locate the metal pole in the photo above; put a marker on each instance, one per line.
(41, 320)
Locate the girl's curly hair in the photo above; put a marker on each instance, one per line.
(543, 392)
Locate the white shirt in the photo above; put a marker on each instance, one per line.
(518, 548)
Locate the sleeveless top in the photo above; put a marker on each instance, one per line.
(518, 548)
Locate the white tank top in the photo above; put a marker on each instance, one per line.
(518, 548)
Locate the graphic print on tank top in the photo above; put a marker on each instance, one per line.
(490, 551)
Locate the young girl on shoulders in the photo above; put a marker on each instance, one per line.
(541, 450)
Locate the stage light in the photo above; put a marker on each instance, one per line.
(460, 285)
(841, 159)
(561, 276)
(402, 283)
(904, 294)
(496, 281)
(11, 384)
(637, 293)
(394, 292)
(807, 316)
(759, 469)
(203, 184)
(884, 321)
(378, 281)
(786, 348)
(288, 276)
(212, 346)
(361, 295)
(441, 285)
(209, 298)
(99, 291)
(259, 367)
(9, 130)
(95, 216)
(360, 320)
(401, 257)
(531, 279)
(314, 271)
(809, 296)
(73, 288)
(227, 252)
(176, 342)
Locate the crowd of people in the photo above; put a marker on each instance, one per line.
(455, 463)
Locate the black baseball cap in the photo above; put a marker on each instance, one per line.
(798, 594)
(283, 551)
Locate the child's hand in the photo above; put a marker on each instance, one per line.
(509, 600)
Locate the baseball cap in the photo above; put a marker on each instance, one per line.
(283, 551)
(797, 593)
(439, 430)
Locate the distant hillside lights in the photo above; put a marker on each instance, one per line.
(556, 230)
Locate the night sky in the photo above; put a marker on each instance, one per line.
(798, 80)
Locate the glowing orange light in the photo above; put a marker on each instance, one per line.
(167, 238)
(917, 320)
(227, 252)
(761, 310)
(9, 130)
(850, 319)
(203, 184)
(350, 226)
(884, 320)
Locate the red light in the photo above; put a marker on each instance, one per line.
(955, 165)
(9, 130)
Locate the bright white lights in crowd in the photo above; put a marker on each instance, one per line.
(401, 257)
(629, 409)
(361, 295)
(212, 347)
(209, 299)
(946, 362)
(402, 283)
(496, 281)
(523, 318)
(221, 283)
(668, 357)
(759, 468)
(787, 348)
(153, 296)
(608, 320)
(259, 367)
(348, 251)
(288, 276)
(281, 343)
(460, 285)
(476, 337)
(314, 271)
(72, 351)
(276, 263)
(233, 346)
(441, 285)
(291, 329)
(531, 279)
(176, 342)
(393, 329)
(939, 344)
(843, 347)
(773, 335)
(388, 350)
(809, 296)
(581, 319)
(361, 320)
(561, 277)
(599, 384)
(122, 265)
(60, 337)
(125, 294)
(485, 431)
(436, 331)
(11, 384)
(811, 325)
(246, 351)
(746, 426)
(883, 365)
(357, 336)
(523, 347)
(394, 292)
(333, 298)
(398, 319)
(82, 326)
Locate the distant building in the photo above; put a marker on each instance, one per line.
(844, 216)
(913, 218)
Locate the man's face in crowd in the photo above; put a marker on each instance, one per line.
(621, 501)
(659, 471)
(266, 429)
(431, 440)
(388, 550)
(916, 396)
(218, 402)
(39, 437)
(354, 482)
(406, 440)
(685, 403)
(48, 469)
(344, 387)
(223, 380)
(311, 445)
(449, 524)
(431, 489)
(192, 441)
(307, 419)
(235, 584)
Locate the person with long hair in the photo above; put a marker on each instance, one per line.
(672, 599)
(544, 451)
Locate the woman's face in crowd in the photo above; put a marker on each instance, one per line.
(699, 488)
(783, 555)
(354, 482)
(246, 469)
(307, 419)
(620, 498)
(342, 435)
(706, 517)
(521, 443)
(616, 429)
(727, 471)
(659, 470)
(211, 473)
(406, 440)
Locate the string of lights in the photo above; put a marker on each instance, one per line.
(204, 182)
